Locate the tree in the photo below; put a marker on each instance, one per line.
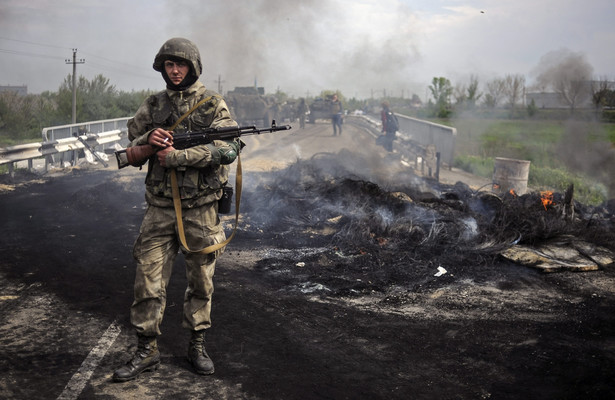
(495, 92)
(467, 96)
(23, 117)
(566, 73)
(441, 90)
(459, 93)
(514, 87)
(473, 94)
(600, 91)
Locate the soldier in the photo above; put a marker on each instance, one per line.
(336, 115)
(301, 111)
(202, 172)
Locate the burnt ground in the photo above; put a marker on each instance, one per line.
(328, 291)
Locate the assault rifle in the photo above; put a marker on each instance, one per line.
(137, 155)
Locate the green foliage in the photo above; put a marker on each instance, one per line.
(475, 165)
(532, 109)
(22, 118)
(586, 190)
(441, 90)
(608, 115)
(480, 141)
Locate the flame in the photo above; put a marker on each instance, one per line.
(512, 191)
(382, 241)
(546, 198)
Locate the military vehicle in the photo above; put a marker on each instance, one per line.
(250, 106)
(319, 109)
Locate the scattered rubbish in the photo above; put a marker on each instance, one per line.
(441, 271)
(566, 255)
(310, 287)
(300, 264)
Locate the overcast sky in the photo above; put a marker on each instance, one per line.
(361, 47)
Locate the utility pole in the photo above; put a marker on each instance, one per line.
(74, 61)
(220, 82)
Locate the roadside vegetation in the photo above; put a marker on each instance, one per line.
(563, 149)
(22, 118)
(573, 145)
(569, 141)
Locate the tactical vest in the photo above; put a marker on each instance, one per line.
(197, 186)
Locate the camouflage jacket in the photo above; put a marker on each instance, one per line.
(199, 179)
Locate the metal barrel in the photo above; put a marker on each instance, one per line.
(510, 174)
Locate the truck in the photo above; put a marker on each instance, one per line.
(320, 109)
(250, 106)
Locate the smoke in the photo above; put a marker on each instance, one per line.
(301, 47)
(559, 70)
(586, 150)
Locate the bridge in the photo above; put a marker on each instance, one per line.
(425, 143)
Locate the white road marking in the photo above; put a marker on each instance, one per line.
(75, 386)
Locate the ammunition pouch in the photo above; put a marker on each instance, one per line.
(225, 202)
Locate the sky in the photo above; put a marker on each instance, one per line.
(363, 48)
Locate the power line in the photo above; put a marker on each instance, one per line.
(113, 61)
(34, 43)
(24, 53)
(58, 58)
(124, 71)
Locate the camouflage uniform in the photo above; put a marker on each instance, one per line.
(202, 172)
(200, 180)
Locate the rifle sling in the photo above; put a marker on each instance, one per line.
(177, 204)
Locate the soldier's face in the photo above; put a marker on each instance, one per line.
(176, 70)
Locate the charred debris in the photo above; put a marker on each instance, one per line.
(332, 215)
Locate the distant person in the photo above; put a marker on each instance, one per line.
(336, 115)
(390, 125)
(201, 172)
(302, 111)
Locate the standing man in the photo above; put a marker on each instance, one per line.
(301, 111)
(390, 125)
(201, 172)
(336, 115)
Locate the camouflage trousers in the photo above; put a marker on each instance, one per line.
(155, 251)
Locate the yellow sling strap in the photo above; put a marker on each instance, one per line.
(177, 204)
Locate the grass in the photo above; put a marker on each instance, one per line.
(561, 152)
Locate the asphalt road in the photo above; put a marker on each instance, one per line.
(295, 315)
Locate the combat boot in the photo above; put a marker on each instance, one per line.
(197, 355)
(146, 358)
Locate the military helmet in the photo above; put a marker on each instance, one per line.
(179, 48)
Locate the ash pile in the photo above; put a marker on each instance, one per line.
(336, 226)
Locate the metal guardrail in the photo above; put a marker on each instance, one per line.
(425, 134)
(429, 134)
(69, 140)
(422, 143)
(422, 138)
(47, 149)
(66, 131)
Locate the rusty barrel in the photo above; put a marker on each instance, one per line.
(510, 174)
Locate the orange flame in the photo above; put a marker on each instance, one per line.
(512, 191)
(546, 198)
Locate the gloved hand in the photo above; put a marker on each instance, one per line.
(227, 153)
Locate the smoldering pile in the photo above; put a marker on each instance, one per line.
(387, 225)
